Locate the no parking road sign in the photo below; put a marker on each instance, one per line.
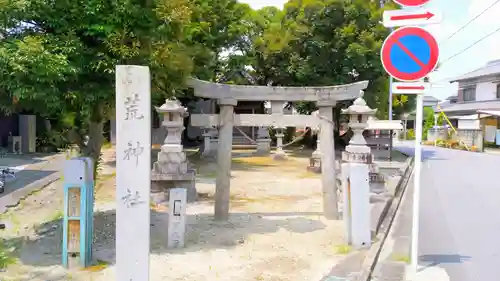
(411, 3)
(410, 53)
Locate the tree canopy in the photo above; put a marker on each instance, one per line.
(57, 58)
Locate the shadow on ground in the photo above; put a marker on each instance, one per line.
(203, 233)
(427, 153)
(436, 260)
(12, 160)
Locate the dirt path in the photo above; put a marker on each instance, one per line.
(276, 231)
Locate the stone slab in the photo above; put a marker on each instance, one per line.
(250, 120)
(211, 90)
(173, 177)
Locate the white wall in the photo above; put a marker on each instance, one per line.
(468, 124)
(486, 91)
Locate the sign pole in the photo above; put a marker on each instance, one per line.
(409, 54)
(416, 185)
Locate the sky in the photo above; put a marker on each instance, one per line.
(456, 13)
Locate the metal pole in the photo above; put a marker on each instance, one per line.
(416, 184)
(390, 96)
(389, 111)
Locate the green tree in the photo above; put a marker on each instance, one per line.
(320, 43)
(429, 120)
(58, 57)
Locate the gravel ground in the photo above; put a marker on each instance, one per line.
(276, 231)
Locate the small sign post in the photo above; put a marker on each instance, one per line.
(177, 217)
(410, 54)
(78, 212)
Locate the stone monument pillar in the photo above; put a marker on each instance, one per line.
(172, 168)
(210, 142)
(263, 141)
(27, 131)
(355, 177)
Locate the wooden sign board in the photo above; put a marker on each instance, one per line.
(74, 199)
(74, 236)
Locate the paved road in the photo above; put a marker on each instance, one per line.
(31, 175)
(460, 213)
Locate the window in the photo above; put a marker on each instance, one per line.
(498, 91)
(469, 94)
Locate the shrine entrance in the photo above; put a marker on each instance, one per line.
(227, 96)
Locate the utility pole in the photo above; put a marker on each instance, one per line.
(389, 109)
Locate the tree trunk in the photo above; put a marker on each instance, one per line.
(95, 141)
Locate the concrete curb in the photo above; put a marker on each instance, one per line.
(385, 223)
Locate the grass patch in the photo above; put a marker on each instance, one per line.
(6, 255)
(308, 175)
(100, 265)
(256, 161)
(211, 175)
(343, 249)
(57, 216)
(107, 145)
(401, 258)
(106, 177)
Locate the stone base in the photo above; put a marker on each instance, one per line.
(280, 156)
(376, 177)
(314, 169)
(363, 158)
(314, 165)
(162, 183)
(263, 147)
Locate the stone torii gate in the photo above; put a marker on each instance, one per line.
(228, 96)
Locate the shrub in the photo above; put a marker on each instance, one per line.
(410, 134)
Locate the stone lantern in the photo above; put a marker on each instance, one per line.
(355, 177)
(358, 150)
(171, 170)
(315, 160)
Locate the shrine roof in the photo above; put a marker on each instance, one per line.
(212, 90)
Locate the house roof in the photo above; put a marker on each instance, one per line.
(491, 68)
(431, 99)
(490, 112)
(470, 107)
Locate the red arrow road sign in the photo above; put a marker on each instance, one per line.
(411, 3)
(413, 17)
(427, 15)
(410, 87)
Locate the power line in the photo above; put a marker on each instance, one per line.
(470, 46)
(472, 20)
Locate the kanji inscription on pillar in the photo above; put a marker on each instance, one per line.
(133, 168)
